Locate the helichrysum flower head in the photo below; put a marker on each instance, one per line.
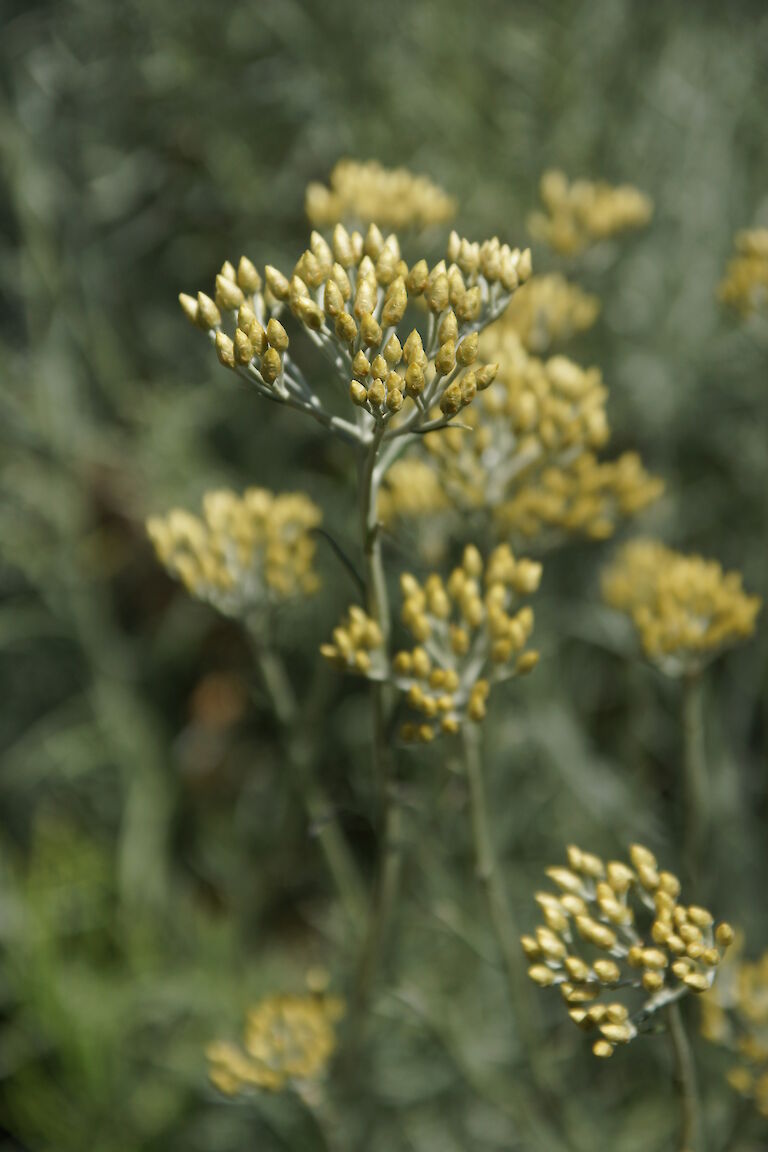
(619, 944)
(686, 609)
(527, 453)
(550, 310)
(588, 497)
(288, 1042)
(366, 192)
(577, 215)
(745, 284)
(350, 297)
(470, 632)
(735, 1015)
(245, 552)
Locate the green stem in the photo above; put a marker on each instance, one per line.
(696, 814)
(319, 810)
(499, 907)
(691, 1131)
(387, 881)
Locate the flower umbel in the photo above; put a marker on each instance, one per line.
(619, 944)
(350, 297)
(580, 214)
(470, 634)
(363, 192)
(526, 453)
(745, 284)
(245, 552)
(288, 1041)
(686, 609)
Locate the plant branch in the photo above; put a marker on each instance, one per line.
(691, 1134)
(487, 871)
(390, 813)
(318, 807)
(696, 784)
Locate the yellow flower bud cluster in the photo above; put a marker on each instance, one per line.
(357, 646)
(527, 453)
(576, 215)
(549, 310)
(745, 284)
(735, 1015)
(619, 945)
(469, 633)
(245, 551)
(350, 296)
(685, 609)
(242, 319)
(363, 192)
(288, 1042)
(588, 497)
(539, 410)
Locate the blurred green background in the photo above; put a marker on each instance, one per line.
(155, 873)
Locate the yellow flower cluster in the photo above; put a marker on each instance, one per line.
(349, 297)
(363, 192)
(469, 634)
(586, 498)
(745, 284)
(288, 1041)
(245, 551)
(685, 609)
(735, 1015)
(357, 646)
(550, 310)
(578, 214)
(619, 945)
(526, 453)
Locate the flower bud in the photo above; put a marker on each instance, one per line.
(243, 347)
(225, 350)
(271, 365)
(277, 335)
(228, 296)
(208, 314)
(189, 307)
(247, 276)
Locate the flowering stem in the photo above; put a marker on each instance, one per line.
(486, 867)
(696, 817)
(317, 805)
(390, 815)
(691, 1138)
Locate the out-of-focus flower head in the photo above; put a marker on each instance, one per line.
(350, 298)
(526, 454)
(735, 1015)
(288, 1042)
(686, 609)
(245, 552)
(745, 284)
(470, 632)
(579, 214)
(550, 310)
(362, 192)
(588, 497)
(619, 945)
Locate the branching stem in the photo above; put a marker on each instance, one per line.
(390, 813)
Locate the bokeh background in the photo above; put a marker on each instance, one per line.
(155, 873)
